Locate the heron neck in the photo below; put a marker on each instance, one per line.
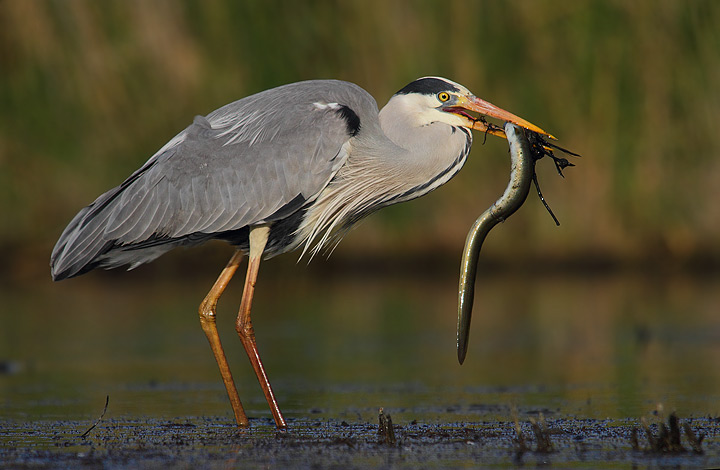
(383, 168)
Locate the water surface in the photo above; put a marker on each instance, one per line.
(341, 346)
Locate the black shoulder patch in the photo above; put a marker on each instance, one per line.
(352, 120)
(427, 86)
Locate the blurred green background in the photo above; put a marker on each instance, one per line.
(89, 90)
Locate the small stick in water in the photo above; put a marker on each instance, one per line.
(386, 433)
(107, 400)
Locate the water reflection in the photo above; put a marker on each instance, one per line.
(340, 347)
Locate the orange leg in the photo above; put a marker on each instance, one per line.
(258, 239)
(207, 320)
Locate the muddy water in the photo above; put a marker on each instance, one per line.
(607, 349)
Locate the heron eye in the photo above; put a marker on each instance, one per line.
(442, 96)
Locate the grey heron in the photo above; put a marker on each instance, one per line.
(287, 168)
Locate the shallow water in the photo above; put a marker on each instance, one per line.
(338, 347)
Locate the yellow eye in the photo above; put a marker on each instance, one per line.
(442, 96)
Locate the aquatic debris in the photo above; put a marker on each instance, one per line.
(694, 440)
(519, 439)
(540, 430)
(146, 442)
(107, 401)
(386, 433)
(668, 439)
(542, 434)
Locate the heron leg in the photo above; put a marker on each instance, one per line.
(258, 239)
(207, 321)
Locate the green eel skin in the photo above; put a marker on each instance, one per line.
(521, 176)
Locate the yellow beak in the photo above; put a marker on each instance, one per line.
(488, 109)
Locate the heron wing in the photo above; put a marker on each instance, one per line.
(250, 162)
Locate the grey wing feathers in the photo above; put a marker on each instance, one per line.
(243, 163)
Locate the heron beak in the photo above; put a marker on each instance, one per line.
(484, 108)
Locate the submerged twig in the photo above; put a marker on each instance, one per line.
(540, 430)
(107, 401)
(519, 439)
(634, 441)
(386, 433)
(542, 434)
(694, 440)
(668, 439)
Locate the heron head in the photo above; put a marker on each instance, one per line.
(439, 99)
